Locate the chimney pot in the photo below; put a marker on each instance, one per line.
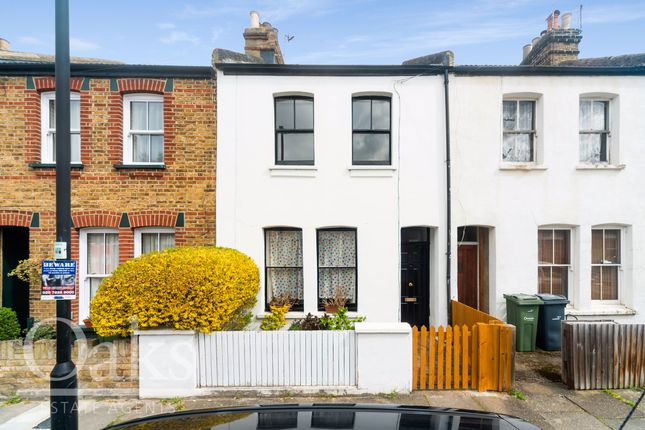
(255, 19)
(556, 15)
(535, 40)
(566, 20)
(526, 50)
(5, 45)
(549, 22)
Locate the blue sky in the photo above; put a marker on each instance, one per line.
(325, 31)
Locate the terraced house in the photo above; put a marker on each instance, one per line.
(143, 167)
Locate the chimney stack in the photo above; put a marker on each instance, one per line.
(5, 45)
(557, 44)
(261, 41)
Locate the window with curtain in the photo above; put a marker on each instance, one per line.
(554, 261)
(102, 258)
(605, 263)
(371, 130)
(294, 130)
(337, 265)
(519, 130)
(594, 131)
(156, 241)
(283, 265)
(48, 127)
(144, 134)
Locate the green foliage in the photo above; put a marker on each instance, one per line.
(339, 321)
(9, 326)
(619, 397)
(517, 394)
(30, 271)
(13, 400)
(276, 319)
(176, 402)
(42, 331)
(187, 288)
(310, 322)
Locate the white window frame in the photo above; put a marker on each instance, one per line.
(127, 132)
(607, 131)
(569, 292)
(84, 288)
(46, 132)
(620, 266)
(139, 231)
(532, 132)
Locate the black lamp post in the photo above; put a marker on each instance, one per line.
(63, 385)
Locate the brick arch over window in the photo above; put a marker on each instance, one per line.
(96, 218)
(48, 83)
(15, 218)
(152, 219)
(141, 85)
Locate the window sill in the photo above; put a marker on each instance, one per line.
(77, 166)
(371, 171)
(584, 166)
(140, 166)
(522, 166)
(293, 171)
(600, 310)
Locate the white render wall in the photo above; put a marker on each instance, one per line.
(556, 193)
(253, 194)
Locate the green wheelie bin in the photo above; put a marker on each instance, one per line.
(522, 311)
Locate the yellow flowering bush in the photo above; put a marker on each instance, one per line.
(187, 288)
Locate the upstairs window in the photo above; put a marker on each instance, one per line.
(294, 130)
(519, 131)
(283, 263)
(48, 128)
(554, 261)
(594, 131)
(143, 129)
(371, 142)
(605, 264)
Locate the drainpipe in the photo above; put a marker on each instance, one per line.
(448, 191)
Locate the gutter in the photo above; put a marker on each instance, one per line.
(108, 70)
(448, 194)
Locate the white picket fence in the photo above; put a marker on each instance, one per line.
(276, 359)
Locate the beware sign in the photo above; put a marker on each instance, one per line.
(58, 280)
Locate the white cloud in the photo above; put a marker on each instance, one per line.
(177, 36)
(606, 15)
(30, 40)
(76, 44)
(216, 33)
(166, 25)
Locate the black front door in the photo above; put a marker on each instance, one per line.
(415, 276)
(15, 293)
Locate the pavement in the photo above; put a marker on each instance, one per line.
(539, 397)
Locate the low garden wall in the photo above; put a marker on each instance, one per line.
(374, 358)
(108, 367)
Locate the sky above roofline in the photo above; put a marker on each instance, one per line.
(321, 31)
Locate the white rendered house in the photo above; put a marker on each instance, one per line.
(334, 178)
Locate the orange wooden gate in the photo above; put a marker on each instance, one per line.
(479, 358)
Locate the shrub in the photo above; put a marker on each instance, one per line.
(29, 271)
(42, 331)
(310, 322)
(275, 320)
(187, 288)
(9, 326)
(339, 321)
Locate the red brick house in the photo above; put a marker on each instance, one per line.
(143, 172)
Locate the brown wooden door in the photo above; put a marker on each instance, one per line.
(467, 278)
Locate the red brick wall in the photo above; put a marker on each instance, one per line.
(100, 192)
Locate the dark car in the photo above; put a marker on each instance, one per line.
(328, 416)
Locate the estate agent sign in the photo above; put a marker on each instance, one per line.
(58, 280)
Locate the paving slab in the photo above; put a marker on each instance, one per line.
(602, 405)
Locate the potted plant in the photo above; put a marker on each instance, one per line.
(338, 301)
(87, 322)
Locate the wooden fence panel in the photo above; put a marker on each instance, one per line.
(600, 355)
(465, 315)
